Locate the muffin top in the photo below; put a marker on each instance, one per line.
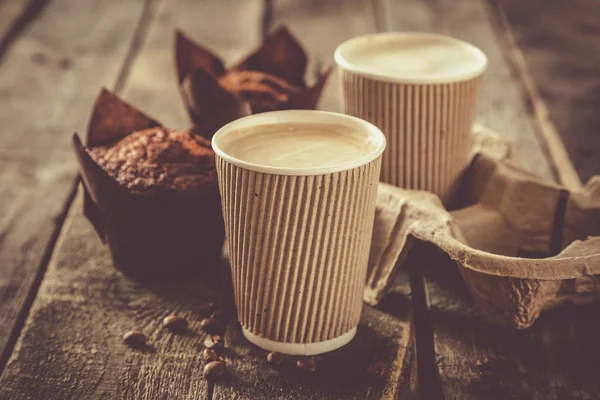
(158, 160)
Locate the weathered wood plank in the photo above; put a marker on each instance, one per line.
(384, 333)
(382, 336)
(47, 85)
(10, 12)
(556, 358)
(560, 43)
(72, 348)
(84, 306)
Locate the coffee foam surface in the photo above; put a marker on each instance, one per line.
(298, 145)
(413, 57)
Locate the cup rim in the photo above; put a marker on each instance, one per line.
(295, 116)
(342, 62)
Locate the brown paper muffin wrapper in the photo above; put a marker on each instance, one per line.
(522, 245)
(427, 127)
(270, 78)
(150, 236)
(298, 248)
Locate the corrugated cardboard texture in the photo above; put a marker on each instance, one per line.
(427, 126)
(298, 248)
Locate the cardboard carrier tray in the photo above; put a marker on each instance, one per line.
(522, 245)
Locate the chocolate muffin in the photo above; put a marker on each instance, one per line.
(152, 195)
(158, 160)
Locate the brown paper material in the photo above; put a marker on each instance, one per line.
(298, 249)
(270, 78)
(113, 119)
(491, 143)
(162, 235)
(389, 245)
(427, 127)
(507, 215)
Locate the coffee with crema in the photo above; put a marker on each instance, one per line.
(298, 145)
(421, 90)
(424, 58)
(298, 189)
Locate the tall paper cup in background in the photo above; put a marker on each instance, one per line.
(421, 91)
(298, 239)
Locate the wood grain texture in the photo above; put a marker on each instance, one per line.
(72, 347)
(10, 13)
(81, 292)
(384, 333)
(557, 357)
(560, 43)
(15, 17)
(557, 153)
(84, 306)
(47, 86)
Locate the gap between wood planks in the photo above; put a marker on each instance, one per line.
(428, 376)
(22, 21)
(552, 144)
(31, 11)
(24, 312)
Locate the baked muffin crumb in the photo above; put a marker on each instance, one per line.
(158, 159)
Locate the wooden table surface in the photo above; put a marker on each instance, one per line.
(63, 307)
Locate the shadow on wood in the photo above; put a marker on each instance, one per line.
(556, 358)
(342, 374)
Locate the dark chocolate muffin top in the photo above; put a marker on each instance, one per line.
(157, 160)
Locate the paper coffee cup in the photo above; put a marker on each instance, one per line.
(299, 239)
(421, 91)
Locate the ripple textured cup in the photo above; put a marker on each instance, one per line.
(421, 90)
(299, 238)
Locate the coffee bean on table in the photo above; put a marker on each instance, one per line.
(215, 342)
(210, 355)
(214, 370)
(275, 358)
(377, 370)
(308, 365)
(212, 326)
(207, 308)
(175, 323)
(135, 338)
